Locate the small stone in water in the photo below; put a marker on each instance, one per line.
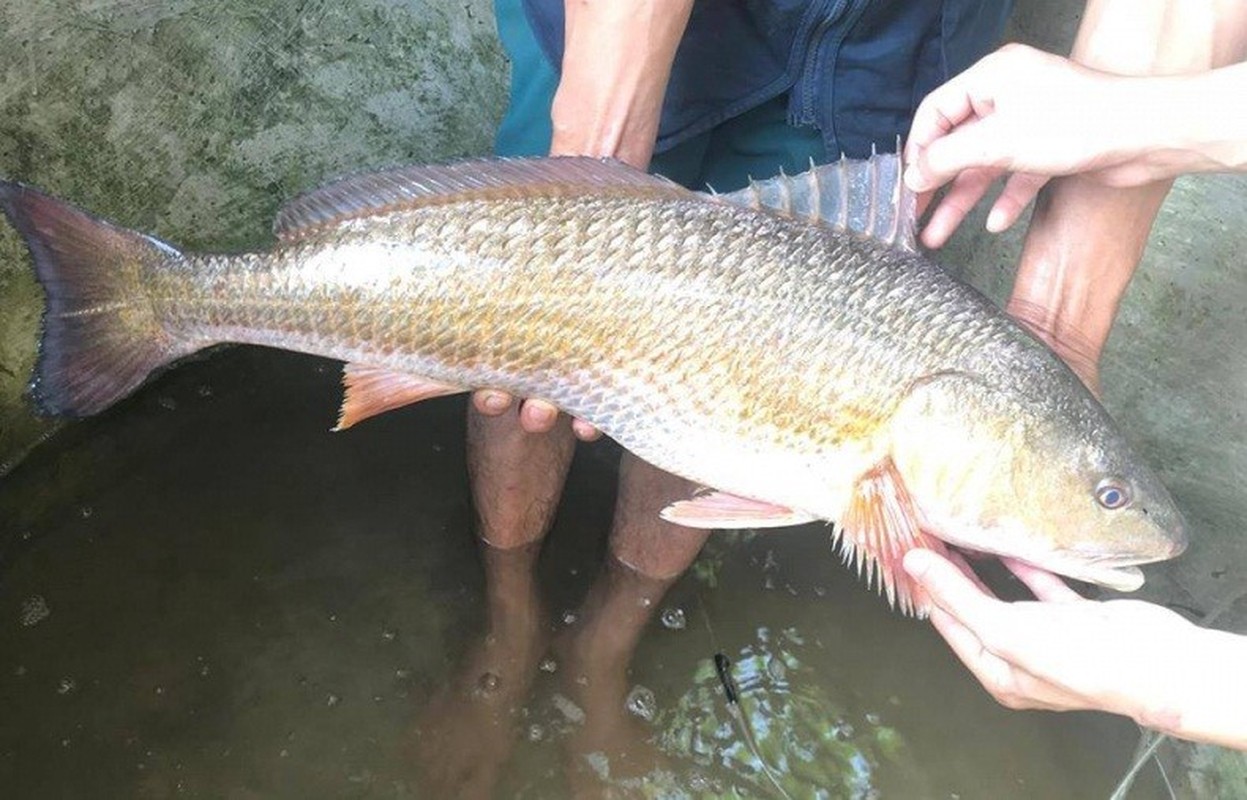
(569, 617)
(34, 610)
(204, 390)
(487, 683)
(872, 718)
(536, 733)
(570, 711)
(66, 685)
(673, 618)
(548, 665)
(388, 635)
(86, 512)
(167, 403)
(402, 674)
(642, 703)
(332, 700)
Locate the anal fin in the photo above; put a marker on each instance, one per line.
(370, 391)
(879, 527)
(722, 510)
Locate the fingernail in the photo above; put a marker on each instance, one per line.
(996, 221)
(497, 401)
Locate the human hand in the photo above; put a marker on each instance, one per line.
(1063, 652)
(1029, 114)
(536, 416)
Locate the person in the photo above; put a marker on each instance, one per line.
(1033, 116)
(705, 94)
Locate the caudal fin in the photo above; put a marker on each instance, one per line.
(100, 336)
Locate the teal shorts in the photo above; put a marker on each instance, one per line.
(757, 144)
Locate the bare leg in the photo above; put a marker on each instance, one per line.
(647, 555)
(467, 732)
(640, 538)
(516, 477)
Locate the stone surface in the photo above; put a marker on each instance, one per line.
(194, 119)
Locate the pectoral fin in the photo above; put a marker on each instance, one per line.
(880, 526)
(370, 391)
(723, 510)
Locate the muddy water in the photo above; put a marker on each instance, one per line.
(204, 593)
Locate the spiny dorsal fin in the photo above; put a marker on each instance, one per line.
(369, 193)
(865, 196)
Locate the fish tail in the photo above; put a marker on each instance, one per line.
(101, 337)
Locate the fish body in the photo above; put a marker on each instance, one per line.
(808, 372)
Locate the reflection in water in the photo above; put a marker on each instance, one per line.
(253, 607)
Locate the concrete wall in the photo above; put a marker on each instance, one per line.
(194, 119)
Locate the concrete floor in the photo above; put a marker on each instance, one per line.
(195, 119)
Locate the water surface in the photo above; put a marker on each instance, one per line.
(204, 593)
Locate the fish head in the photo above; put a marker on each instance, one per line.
(1043, 477)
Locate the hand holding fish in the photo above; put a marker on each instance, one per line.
(1032, 115)
(536, 416)
(607, 104)
(1068, 653)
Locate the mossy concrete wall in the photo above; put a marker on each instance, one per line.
(194, 119)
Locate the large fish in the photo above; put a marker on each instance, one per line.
(802, 371)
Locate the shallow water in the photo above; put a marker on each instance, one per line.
(205, 593)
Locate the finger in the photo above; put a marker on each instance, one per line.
(964, 565)
(952, 591)
(1019, 191)
(968, 188)
(491, 402)
(584, 431)
(1042, 583)
(975, 144)
(991, 670)
(1010, 685)
(939, 113)
(538, 416)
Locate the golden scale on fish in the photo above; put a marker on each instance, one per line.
(786, 345)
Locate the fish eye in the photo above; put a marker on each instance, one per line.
(1112, 495)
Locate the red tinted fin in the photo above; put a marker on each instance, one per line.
(723, 510)
(100, 337)
(878, 529)
(374, 390)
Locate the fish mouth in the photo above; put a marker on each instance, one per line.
(1125, 578)
(1120, 573)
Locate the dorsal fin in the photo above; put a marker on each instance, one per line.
(368, 193)
(865, 196)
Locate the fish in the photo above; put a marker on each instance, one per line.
(785, 347)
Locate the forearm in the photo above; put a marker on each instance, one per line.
(1208, 124)
(616, 61)
(1204, 699)
(1085, 239)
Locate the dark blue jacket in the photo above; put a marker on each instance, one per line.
(855, 69)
